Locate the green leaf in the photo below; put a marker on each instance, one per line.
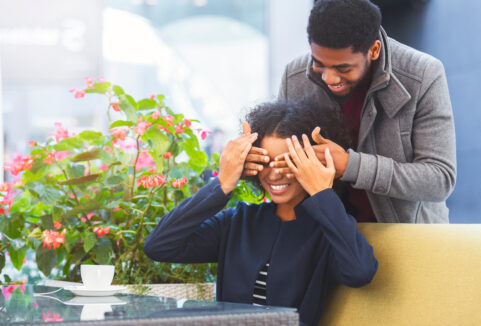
(129, 106)
(92, 137)
(2, 261)
(89, 241)
(47, 194)
(47, 221)
(80, 180)
(114, 180)
(146, 104)
(17, 256)
(102, 252)
(160, 141)
(46, 259)
(20, 204)
(85, 207)
(86, 156)
(121, 123)
(118, 90)
(69, 144)
(75, 170)
(102, 87)
(12, 226)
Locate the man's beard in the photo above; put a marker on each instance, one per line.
(365, 80)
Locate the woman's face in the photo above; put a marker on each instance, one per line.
(282, 190)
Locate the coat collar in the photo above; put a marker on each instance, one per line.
(390, 92)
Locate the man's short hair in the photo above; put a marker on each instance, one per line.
(340, 24)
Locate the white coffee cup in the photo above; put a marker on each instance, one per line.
(97, 277)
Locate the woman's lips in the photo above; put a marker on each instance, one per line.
(278, 189)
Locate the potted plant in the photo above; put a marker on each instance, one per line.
(93, 197)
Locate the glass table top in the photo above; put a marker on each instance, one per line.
(40, 304)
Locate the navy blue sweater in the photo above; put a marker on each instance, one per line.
(308, 255)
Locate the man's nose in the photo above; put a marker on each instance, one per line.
(330, 77)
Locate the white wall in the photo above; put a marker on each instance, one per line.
(287, 36)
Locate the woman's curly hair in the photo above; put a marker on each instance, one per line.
(287, 118)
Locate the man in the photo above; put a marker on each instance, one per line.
(396, 103)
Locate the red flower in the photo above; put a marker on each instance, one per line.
(204, 134)
(118, 133)
(187, 123)
(215, 173)
(179, 183)
(179, 129)
(57, 224)
(52, 238)
(101, 231)
(152, 181)
(50, 159)
(49, 317)
(167, 155)
(32, 143)
(116, 107)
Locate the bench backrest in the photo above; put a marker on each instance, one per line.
(429, 274)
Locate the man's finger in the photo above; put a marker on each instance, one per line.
(253, 166)
(258, 150)
(246, 128)
(257, 158)
(316, 136)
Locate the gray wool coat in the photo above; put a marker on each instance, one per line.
(406, 155)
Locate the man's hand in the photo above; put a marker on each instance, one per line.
(339, 155)
(306, 167)
(256, 158)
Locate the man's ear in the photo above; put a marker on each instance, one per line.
(375, 50)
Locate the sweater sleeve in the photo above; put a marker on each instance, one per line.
(191, 232)
(351, 258)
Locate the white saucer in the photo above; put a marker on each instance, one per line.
(86, 292)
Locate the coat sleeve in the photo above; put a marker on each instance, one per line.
(351, 259)
(433, 164)
(192, 231)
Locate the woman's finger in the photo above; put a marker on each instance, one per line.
(291, 165)
(329, 160)
(253, 166)
(308, 148)
(293, 154)
(257, 158)
(299, 150)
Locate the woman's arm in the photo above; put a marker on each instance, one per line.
(351, 258)
(191, 233)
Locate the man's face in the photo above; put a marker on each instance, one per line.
(341, 69)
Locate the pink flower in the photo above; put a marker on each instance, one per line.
(49, 317)
(107, 149)
(50, 159)
(90, 215)
(179, 129)
(34, 304)
(102, 80)
(168, 119)
(104, 167)
(152, 181)
(32, 143)
(215, 173)
(60, 133)
(19, 164)
(57, 225)
(141, 127)
(204, 134)
(52, 238)
(152, 96)
(83, 219)
(144, 161)
(164, 128)
(90, 82)
(61, 155)
(187, 123)
(167, 155)
(179, 183)
(155, 115)
(101, 231)
(77, 93)
(118, 133)
(5, 187)
(116, 107)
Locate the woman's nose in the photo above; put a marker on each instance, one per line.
(273, 175)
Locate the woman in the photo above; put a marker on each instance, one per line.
(287, 252)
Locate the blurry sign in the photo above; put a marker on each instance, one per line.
(50, 41)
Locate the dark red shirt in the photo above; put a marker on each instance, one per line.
(352, 108)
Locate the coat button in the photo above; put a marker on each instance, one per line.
(381, 189)
(371, 113)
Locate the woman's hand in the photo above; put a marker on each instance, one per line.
(232, 161)
(256, 158)
(306, 167)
